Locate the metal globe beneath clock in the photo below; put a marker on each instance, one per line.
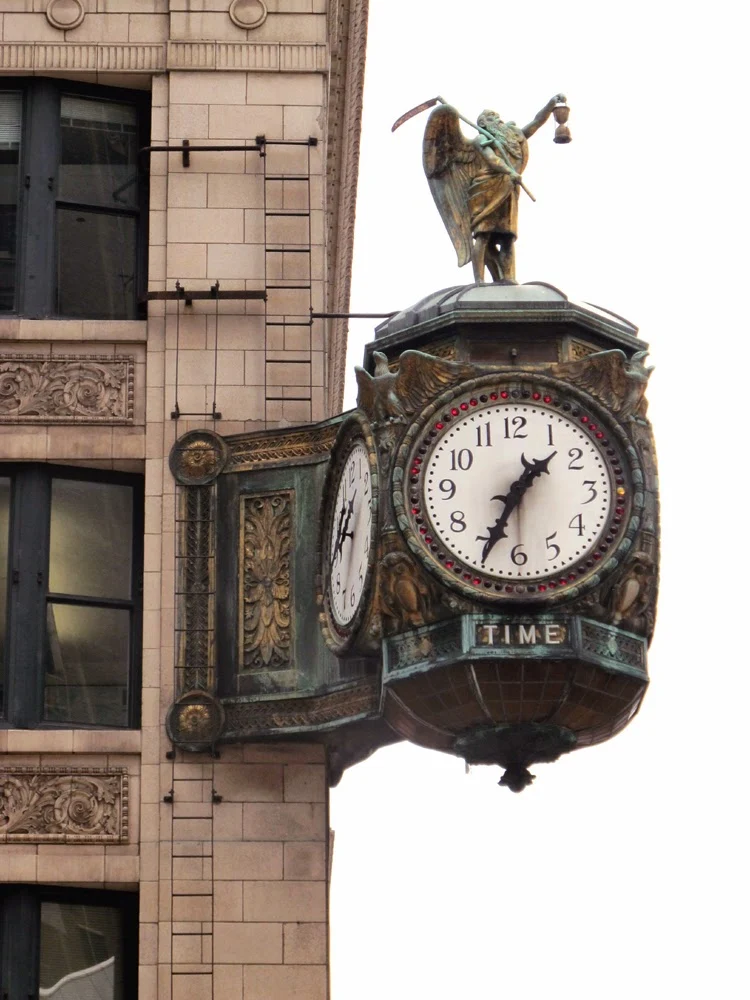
(513, 689)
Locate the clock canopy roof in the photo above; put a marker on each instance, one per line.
(501, 305)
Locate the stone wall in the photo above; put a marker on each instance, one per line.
(232, 892)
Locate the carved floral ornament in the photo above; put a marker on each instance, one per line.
(66, 389)
(64, 805)
(265, 553)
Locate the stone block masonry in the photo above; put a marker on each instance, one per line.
(231, 871)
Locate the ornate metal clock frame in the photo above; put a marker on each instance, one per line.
(455, 648)
(528, 391)
(356, 429)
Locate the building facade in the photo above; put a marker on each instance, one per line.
(150, 285)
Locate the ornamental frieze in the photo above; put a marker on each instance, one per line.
(58, 805)
(67, 388)
(298, 445)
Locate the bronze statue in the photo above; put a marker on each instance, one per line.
(475, 183)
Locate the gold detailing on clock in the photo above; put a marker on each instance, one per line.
(256, 451)
(611, 377)
(265, 581)
(389, 396)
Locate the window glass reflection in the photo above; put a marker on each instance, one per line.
(91, 537)
(99, 152)
(4, 538)
(87, 665)
(102, 247)
(10, 146)
(80, 955)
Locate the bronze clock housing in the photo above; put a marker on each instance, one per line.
(348, 532)
(507, 445)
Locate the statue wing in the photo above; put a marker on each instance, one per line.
(450, 162)
(422, 377)
(610, 377)
(367, 390)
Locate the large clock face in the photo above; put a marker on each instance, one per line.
(349, 534)
(519, 493)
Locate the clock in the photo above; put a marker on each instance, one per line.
(348, 540)
(517, 488)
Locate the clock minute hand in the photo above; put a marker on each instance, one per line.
(513, 498)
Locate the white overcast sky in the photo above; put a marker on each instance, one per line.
(622, 872)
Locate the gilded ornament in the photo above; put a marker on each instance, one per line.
(392, 396)
(198, 457)
(266, 587)
(611, 377)
(195, 721)
(274, 448)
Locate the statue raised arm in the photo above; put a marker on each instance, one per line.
(475, 184)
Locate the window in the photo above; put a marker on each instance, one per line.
(72, 197)
(70, 582)
(68, 944)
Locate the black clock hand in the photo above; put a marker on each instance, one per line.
(513, 498)
(337, 546)
(343, 533)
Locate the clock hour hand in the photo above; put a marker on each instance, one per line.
(337, 546)
(346, 515)
(512, 499)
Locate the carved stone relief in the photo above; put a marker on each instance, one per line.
(266, 582)
(80, 389)
(64, 805)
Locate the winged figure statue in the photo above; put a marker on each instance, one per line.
(616, 380)
(475, 184)
(392, 396)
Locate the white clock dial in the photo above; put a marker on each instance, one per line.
(350, 533)
(516, 487)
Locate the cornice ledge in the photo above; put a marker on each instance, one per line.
(40, 57)
(273, 57)
(345, 104)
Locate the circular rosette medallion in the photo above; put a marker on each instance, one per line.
(198, 457)
(195, 721)
(517, 489)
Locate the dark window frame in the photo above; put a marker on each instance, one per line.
(20, 933)
(38, 202)
(29, 594)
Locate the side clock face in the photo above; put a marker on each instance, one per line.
(518, 491)
(349, 534)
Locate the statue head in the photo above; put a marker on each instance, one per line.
(489, 119)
